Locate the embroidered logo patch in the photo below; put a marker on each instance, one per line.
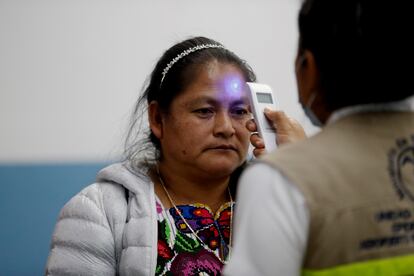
(401, 167)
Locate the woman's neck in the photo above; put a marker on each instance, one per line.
(189, 189)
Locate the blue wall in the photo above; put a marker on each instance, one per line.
(31, 197)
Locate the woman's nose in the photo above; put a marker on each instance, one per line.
(223, 125)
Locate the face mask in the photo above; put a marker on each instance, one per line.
(309, 113)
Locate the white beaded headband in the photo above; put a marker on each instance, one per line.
(185, 53)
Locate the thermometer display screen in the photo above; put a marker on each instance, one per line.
(264, 97)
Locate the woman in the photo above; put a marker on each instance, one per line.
(168, 208)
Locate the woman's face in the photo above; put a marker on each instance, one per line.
(205, 129)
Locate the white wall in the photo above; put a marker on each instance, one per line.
(70, 71)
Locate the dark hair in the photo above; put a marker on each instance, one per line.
(143, 146)
(362, 49)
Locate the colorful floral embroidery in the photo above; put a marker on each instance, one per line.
(201, 263)
(180, 252)
(159, 207)
(211, 230)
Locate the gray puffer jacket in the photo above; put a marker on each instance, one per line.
(109, 228)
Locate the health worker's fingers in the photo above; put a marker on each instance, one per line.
(288, 130)
(251, 125)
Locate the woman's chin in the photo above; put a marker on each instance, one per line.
(221, 169)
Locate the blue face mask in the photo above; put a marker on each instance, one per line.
(309, 113)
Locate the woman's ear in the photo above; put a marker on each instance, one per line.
(155, 119)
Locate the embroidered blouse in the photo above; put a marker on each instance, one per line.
(180, 252)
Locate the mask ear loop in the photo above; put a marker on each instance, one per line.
(311, 100)
(309, 112)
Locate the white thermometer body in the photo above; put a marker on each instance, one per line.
(261, 96)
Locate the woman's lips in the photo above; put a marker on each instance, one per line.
(223, 147)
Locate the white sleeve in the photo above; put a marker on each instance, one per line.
(270, 225)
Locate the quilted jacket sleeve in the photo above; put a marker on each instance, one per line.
(83, 242)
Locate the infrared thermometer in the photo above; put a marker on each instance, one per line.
(261, 96)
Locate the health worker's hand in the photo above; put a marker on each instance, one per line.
(288, 130)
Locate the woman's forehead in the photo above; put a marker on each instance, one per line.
(199, 100)
(226, 92)
(219, 80)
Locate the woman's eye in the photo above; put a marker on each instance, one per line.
(240, 111)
